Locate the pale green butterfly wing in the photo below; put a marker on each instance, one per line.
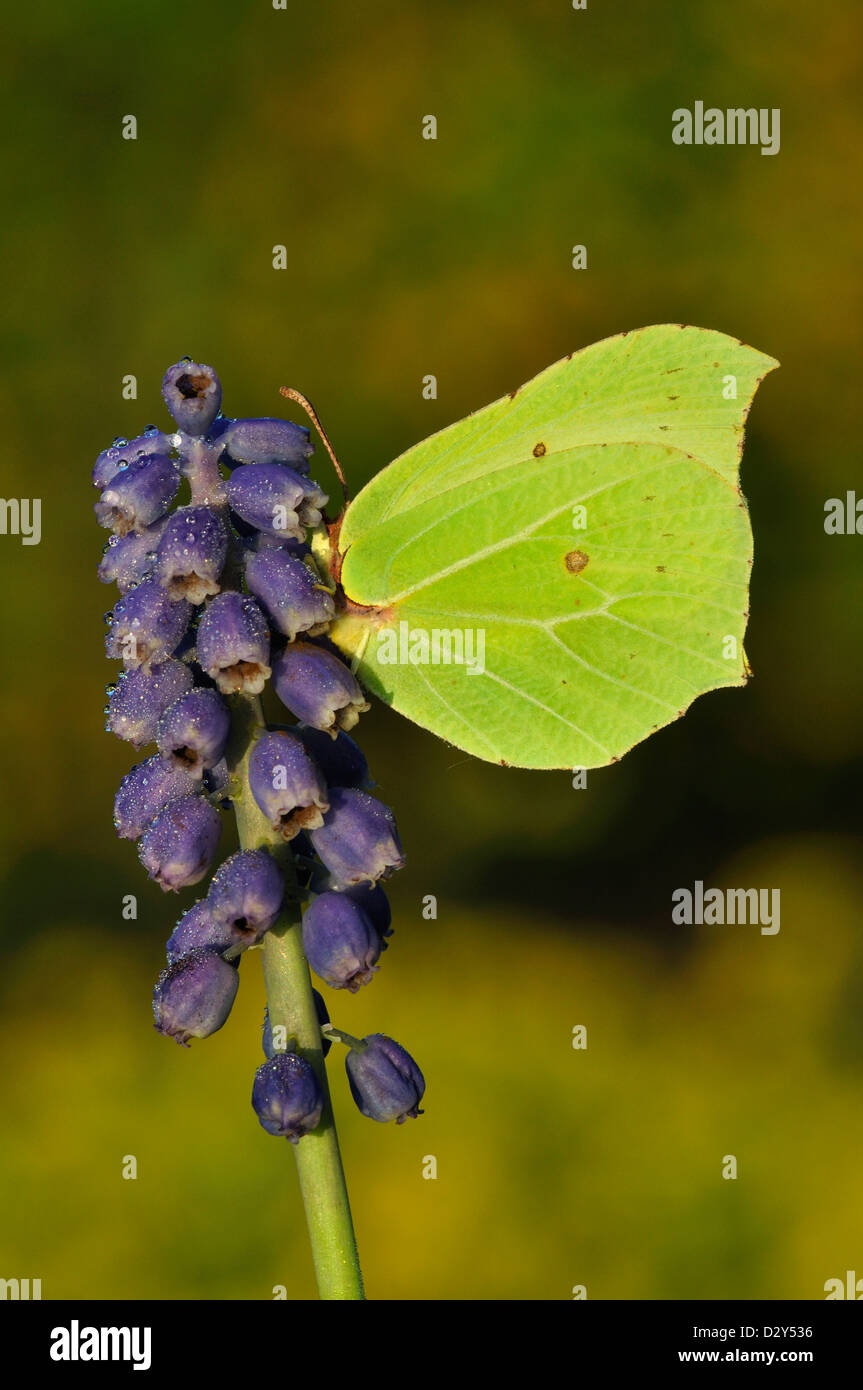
(581, 545)
(664, 383)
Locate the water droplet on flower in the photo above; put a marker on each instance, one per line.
(119, 442)
(184, 361)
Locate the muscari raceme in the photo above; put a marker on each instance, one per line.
(215, 597)
(591, 521)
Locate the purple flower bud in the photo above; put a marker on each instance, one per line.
(340, 943)
(126, 560)
(290, 591)
(375, 904)
(287, 1096)
(181, 844)
(275, 499)
(138, 494)
(139, 699)
(234, 644)
(286, 784)
(193, 394)
(126, 451)
(358, 841)
(323, 1017)
(147, 790)
(146, 625)
(385, 1081)
(246, 896)
(196, 929)
(194, 731)
(342, 761)
(267, 441)
(192, 553)
(318, 688)
(194, 995)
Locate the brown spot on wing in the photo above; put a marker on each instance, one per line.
(575, 561)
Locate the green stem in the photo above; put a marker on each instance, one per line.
(291, 1006)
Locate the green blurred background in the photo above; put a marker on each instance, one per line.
(406, 257)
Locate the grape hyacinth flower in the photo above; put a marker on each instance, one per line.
(193, 394)
(138, 494)
(126, 560)
(192, 553)
(275, 500)
(293, 596)
(147, 790)
(146, 625)
(140, 697)
(246, 896)
(318, 688)
(194, 995)
(385, 1081)
(180, 844)
(234, 644)
(358, 841)
(193, 732)
(125, 451)
(217, 596)
(286, 783)
(287, 1096)
(196, 928)
(340, 942)
(265, 441)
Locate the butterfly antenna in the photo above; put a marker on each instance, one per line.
(307, 406)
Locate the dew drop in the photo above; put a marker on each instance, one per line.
(119, 442)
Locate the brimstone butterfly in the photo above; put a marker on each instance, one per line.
(552, 579)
